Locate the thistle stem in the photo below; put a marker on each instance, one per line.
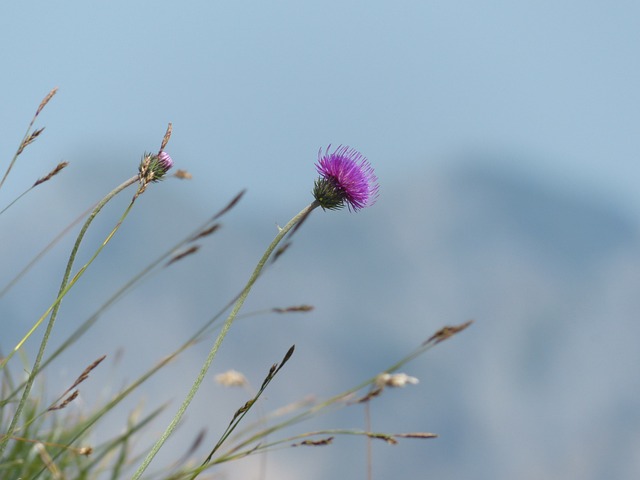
(223, 332)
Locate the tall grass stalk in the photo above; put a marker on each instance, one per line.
(223, 332)
(65, 286)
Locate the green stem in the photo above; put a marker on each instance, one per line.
(42, 252)
(223, 332)
(65, 286)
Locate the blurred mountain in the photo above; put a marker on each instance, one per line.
(543, 385)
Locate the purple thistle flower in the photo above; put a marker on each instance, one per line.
(345, 177)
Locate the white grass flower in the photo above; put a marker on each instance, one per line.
(395, 380)
(231, 378)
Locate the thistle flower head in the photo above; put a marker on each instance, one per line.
(346, 177)
(154, 167)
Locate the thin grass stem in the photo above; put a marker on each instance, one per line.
(65, 286)
(28, 137)
(225, 328)
(44, 251)
(339, 399)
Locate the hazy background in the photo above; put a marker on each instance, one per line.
(505, 138)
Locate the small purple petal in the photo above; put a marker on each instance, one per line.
(165, 160)
(351, 174)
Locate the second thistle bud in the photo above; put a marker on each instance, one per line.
(164, 161)
(154, 167)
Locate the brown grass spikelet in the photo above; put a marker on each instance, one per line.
(183, 175)
(35, 134)
(278, 253)
(244, 408)
(372, 394)
(85, 374)
(166, 137)
(295, 308)
(206, 232)
(314, 443)
(416, 435)
(230, 205)
(81, 378)
(198, 440)
(382, 436)
(45, 100)
(181, 255)
(65, 402)
(29, 137)
(447, 332)
(144, 175)
(51, 174)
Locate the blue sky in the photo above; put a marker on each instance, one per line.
(255, 88)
